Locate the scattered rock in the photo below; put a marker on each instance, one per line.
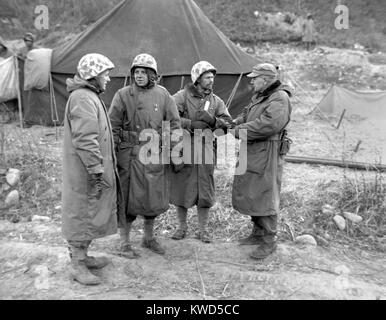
(321, 241)
(40, 218)
(328, 210)
(6, 187)
(13, 177)
(12, 198)
(340, 222)
(58, 207)
(352, 217)
(306, 239)
(342, 269)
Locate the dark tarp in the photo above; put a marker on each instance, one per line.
(176, 32)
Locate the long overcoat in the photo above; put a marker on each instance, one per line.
(145, 186)
(87, 148)
(194, 184)
(257, 191)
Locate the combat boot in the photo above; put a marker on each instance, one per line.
(96, 262)
(78, 270)
(265, 249)
(125, 248)
(153, 245)
(255, 238)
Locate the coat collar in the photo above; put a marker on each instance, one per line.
(192, 90)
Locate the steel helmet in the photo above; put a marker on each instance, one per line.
(92, 65)
(144, 60)
(199, 68)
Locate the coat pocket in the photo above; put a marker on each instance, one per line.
(257, 157)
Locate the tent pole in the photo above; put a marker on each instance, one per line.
(182, 82)
(341, 118)
(19, 93)
(233, 92)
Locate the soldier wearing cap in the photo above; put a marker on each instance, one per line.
(309, 32)
(257, 192)
(199, 108)
(28, 45)
(140, 107)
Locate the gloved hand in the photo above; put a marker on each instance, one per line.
(96, 183)
(205, 116)
(198, 125)
(177, 167)
(225, 124)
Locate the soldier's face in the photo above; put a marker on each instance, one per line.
(104, 79)
(28, 43)
(140, 77)
(258, 83)
(206, 80)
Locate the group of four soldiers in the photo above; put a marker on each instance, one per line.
(105, 177)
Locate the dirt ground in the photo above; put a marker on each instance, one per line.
(34, 265)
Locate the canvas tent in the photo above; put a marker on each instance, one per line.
(366, 104)
(176, 32)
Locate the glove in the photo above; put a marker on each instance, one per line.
(96, 183)
(205, 116)
(177, 167)
(225, 124)
(198, 125)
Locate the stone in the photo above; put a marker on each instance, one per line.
(40, 218)
(342, 270)
(306, 239)
(12, 198)
(340, 222)
(353, 217)
(13, 177)
(328, 210)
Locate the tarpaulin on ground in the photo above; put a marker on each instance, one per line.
(8, 79)
(37, 68)
(367, 104)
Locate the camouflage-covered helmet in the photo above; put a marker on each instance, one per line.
(92, 65)
(144, 60)
(199, 68)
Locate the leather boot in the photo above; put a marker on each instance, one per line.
(183, 227)
(125, 248)
(255, 238)
(265, 249)
(149, 241)
(79, 271)
(96, 262)
(203, 216)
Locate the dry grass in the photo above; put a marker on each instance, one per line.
(36, 153)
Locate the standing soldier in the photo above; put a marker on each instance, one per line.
(309, 32)
(257, 191)
(193, 185)
(89, 167)
(145, 187)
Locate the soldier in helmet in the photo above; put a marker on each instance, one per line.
(28, 45)
(89, 167)
(135, 109)
(199, 108)
(257, 192)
